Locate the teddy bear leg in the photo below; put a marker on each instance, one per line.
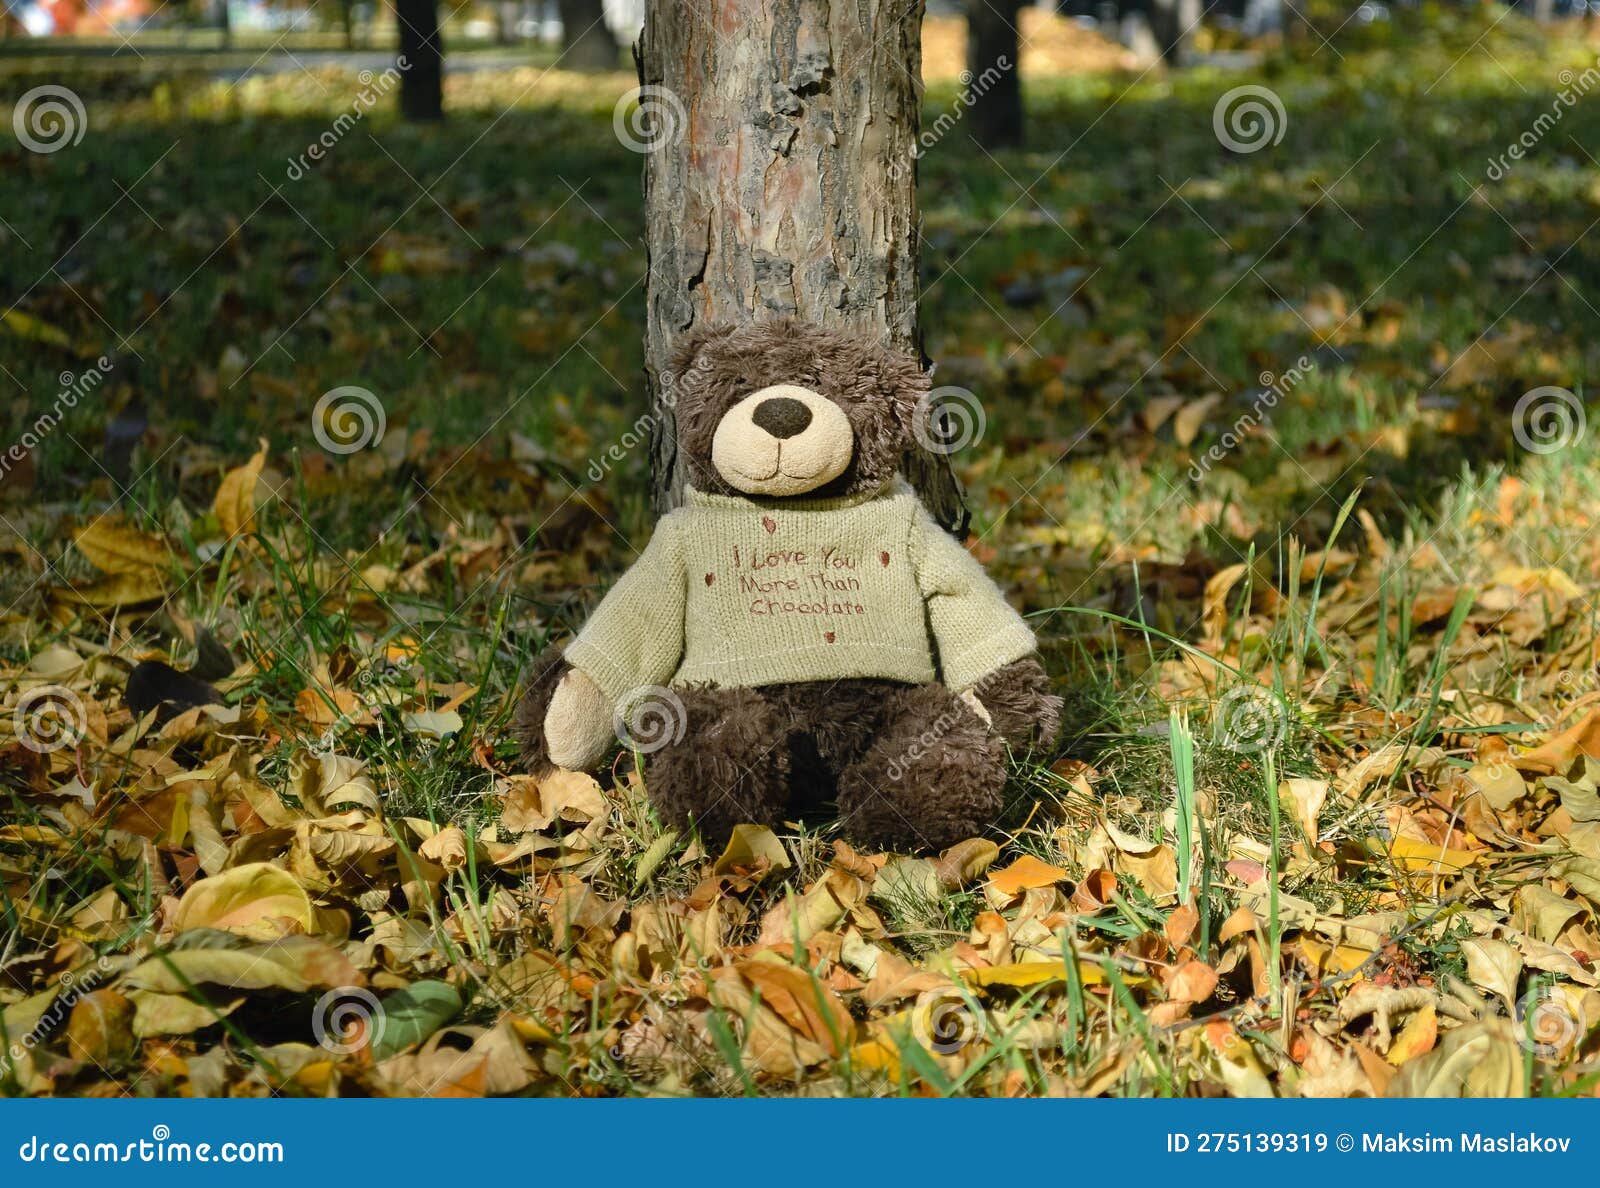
(935, 774)
(730, 765)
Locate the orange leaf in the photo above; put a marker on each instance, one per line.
(1024, 873)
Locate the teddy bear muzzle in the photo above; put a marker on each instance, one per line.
(782, 440)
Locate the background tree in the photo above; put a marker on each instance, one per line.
(421, 58)
(780, 179)
(586, 42)
(1174, 23)
(993, 51)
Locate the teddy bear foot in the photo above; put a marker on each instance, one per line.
(934, 775)
(729, 766)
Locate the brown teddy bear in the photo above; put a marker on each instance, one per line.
(801, 631)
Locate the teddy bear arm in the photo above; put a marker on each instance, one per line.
(578, 729)
(1021, 708)
(634, 640)
(975, 630)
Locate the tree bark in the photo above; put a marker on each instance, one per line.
(586, 42)
(994, 90)
(421, 61)
(780, 179)
(1174, 22)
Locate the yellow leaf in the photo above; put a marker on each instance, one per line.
(1494, 965)
(876, 1056)
(258, 900)
(1411, 854)
(1038, 973)
(1419, 1035)
(120, 589)
(114, 546)
(801, 1001)
(1024, 873)
(235, 504)
(965, 861)
(753, 848)
(1186, 425)
(27, 326)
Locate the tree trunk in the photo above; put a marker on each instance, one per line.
(780, 179)
(994, 91)
(421, 60)
(586, 43)
(1174, 22)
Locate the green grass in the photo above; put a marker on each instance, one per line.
(484, 280)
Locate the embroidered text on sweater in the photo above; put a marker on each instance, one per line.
(740, 593)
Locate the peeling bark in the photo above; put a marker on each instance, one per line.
(780, 178)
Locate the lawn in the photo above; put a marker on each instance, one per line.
(1284, 448)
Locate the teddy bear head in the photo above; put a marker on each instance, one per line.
(788, 408)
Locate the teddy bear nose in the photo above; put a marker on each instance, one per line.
(782, 416)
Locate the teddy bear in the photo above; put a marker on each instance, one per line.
(806, 633)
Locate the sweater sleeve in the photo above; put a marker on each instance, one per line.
(635, 636)
(975, 630)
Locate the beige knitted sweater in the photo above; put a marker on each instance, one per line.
(742, 593)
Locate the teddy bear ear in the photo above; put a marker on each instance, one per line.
(688, 347)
